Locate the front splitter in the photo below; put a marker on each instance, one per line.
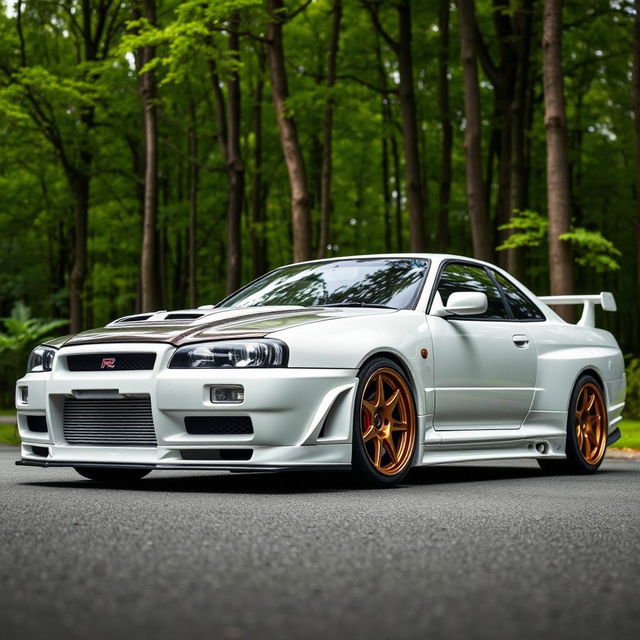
(184, 467)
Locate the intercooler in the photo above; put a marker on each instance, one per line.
(124, 422)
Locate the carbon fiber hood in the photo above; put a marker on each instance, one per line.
(198, 325)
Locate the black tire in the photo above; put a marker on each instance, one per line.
(586, 431)
(395, 444)
(112, 476)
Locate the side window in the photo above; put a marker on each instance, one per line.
(522, 307)
(465, 277)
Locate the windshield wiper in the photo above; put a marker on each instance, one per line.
(357, 304)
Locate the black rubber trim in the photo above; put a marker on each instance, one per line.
(614, 436)
(185, 467)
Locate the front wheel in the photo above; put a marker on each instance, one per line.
(112, 476)
(586, 430)
(384, 424)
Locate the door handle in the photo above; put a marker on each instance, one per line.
(521, 341)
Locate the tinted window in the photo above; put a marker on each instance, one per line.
(394, 282)
(522, 307)
(464, 277)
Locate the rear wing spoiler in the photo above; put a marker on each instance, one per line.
(588, 319)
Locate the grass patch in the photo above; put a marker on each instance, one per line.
(9, 434)
(630, 435)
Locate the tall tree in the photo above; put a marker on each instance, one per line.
(291, 149)
(327, 131)
(510, 79)
(229, 134)
(635, 98)
(64, 116)
(408, 111)
(259, 187)
(442, 237)
(560, 255)
(472, 133)
(149, 269)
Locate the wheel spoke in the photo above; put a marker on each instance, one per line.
(391, 449)
(399, 426)
(392, 402)
(590, 402)
(368, 434)
(377, 452)
(586, 447)
(369, 408)
(379, 401)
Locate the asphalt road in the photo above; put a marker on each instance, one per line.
(467, 551)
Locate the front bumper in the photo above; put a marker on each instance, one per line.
(301, 417)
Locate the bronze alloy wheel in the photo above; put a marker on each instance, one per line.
(388, 421)
(591, 423)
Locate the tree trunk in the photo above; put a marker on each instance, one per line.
(523, 27)
(327, 132)
(148, 259)
(442, 241)
(398, 193)
(472, 135)
(300, 214)
(258, 190)
(193, 208)
(413, 176)
(80, 184)
(560, 255)
(635, 96)
(235, 167)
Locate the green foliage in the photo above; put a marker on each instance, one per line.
(593, 250)
(630, 439)
(632, 406)
(530, 227)
(21, 334)
(9, 434)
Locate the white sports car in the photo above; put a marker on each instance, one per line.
(375, 363)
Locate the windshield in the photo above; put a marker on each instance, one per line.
(387, 282)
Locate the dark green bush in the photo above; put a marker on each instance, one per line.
(632, 408)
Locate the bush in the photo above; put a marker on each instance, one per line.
(22, 333)
(632, 407)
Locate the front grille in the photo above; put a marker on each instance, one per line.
(218, 425)
(111, 362)
(126, 422)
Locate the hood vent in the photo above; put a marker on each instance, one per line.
(184, 316)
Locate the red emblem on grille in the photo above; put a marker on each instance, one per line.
(108, 363)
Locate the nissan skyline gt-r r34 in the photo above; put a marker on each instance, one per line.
(375, 363)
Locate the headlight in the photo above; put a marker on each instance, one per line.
(238, 354)
(41, 359)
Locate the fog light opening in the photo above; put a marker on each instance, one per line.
(228, 393)
(542, 447)
(24, 394)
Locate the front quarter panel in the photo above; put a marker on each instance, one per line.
(349, 342)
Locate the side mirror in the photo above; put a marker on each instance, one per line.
(463, 303)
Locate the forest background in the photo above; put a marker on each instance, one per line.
(160, 153)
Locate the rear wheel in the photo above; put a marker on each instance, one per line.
(384, 424)
(586, 430)
(112, 476)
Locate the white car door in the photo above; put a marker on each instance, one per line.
(485, 366)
